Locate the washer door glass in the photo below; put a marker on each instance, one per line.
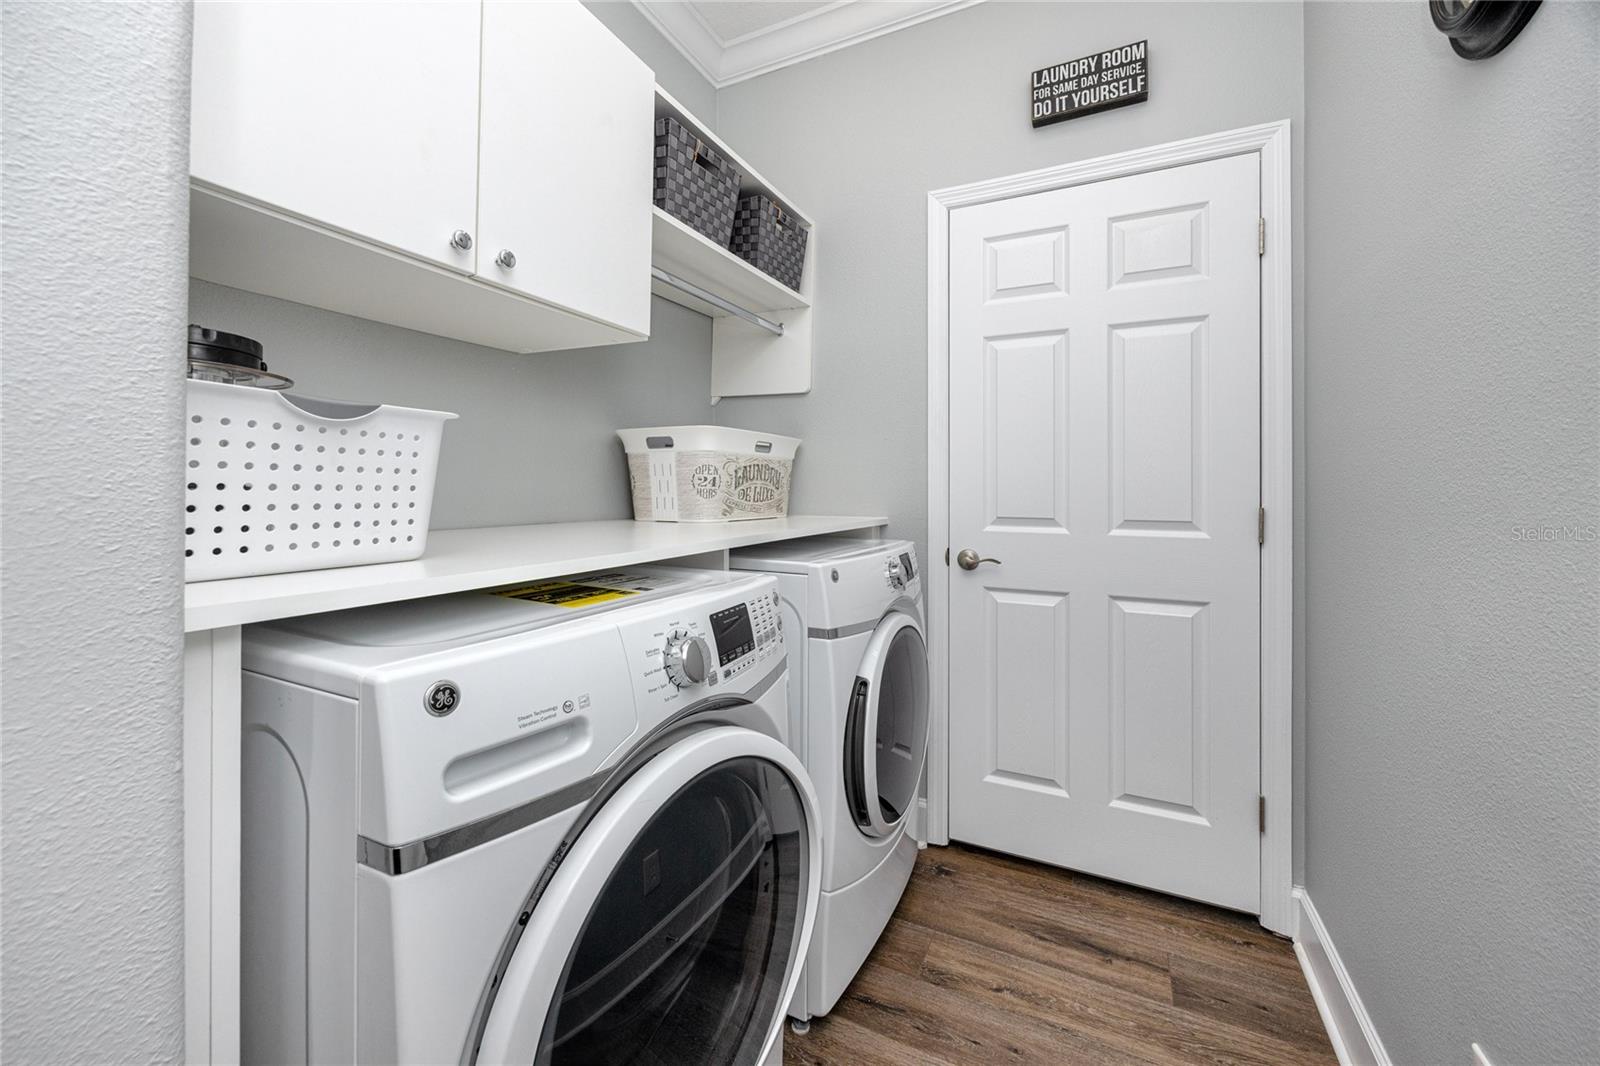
(886, 731)
(676, 944)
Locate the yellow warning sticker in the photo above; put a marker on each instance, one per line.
(565, 593)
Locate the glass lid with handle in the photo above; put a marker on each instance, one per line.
(886, 728)
(674, 927)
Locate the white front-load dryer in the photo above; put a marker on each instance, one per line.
(550, 824)
(858, 683)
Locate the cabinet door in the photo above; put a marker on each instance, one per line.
(565, 153)
(361, 117)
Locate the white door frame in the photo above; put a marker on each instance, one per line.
(1271, 142)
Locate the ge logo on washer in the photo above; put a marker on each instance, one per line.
(442, 698)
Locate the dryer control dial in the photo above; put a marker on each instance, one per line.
(687, 659)
(894, 574)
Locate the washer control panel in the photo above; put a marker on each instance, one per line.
(686, 659)
(747, 633)
(695, 652)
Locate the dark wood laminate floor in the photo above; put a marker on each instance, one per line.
(991, 959)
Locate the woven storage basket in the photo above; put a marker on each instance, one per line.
(708, 473)
(694, 183)
(769, 239)
(279, 483)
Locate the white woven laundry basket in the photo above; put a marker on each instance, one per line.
(279, 482)
(708, 473)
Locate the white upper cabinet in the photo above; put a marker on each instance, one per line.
(565, 153)
(363, 117)
(475, 170)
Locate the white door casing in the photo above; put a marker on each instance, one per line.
(363, 116)
(1104, 377)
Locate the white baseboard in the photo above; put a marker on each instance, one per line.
(1355, 1039)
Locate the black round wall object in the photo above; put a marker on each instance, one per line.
(1479, 28)
(215, 346)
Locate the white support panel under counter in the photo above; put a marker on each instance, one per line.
(459, 560)
(211, 852)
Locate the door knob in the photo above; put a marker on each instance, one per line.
(968, 559)
(461, 240)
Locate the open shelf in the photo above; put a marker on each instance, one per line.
(746, 359)
(750, 182)
(459, 560)
(679, 250)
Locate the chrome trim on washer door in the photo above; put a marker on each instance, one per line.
(397, 859)
(404, 858)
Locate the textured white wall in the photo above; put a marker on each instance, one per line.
(1453, 397)
(95, 233)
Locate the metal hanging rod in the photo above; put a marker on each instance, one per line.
(774, 328)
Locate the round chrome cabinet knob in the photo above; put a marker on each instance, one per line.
(687, 661)
(506, 259)
(461, 240)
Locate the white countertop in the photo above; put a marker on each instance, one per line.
(461, 559)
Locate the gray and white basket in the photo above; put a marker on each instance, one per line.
(769, 239)
(279, 482)
(693, 182)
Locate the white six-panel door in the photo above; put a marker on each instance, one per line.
(1104, 448)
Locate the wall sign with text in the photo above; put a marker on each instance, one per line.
(1116, 77)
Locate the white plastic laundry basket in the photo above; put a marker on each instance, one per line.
(708, 473)
(279, 482)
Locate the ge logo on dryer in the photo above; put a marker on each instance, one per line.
(442, 698)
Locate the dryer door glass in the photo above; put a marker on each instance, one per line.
(684, 954)
(886, 731)
(671, 924)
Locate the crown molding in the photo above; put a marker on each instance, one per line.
(806, 36)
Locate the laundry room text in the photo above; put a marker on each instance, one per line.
(1113, 78)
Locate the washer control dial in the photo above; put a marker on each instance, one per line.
(894, 574)
(687, 659)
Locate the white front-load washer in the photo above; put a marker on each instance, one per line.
(858, 683)
(549, 824)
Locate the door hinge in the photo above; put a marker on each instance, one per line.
(1261, 811)
(947, 557)
(1261, 526)
(1261, 236)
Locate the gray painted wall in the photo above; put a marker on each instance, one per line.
(536, 440)
(95, 232)
(1451, 389)
(941, 104)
